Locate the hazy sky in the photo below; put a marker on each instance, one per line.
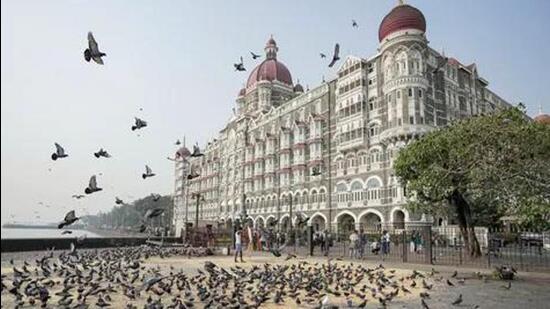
(174, 59)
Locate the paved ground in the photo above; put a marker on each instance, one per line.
(530, 290)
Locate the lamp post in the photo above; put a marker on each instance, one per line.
(199, 198)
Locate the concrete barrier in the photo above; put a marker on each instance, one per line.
(40, 244)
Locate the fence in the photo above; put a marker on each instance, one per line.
(524, 250)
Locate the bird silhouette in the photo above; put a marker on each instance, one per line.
(102, 153)
(92, 186)
(92, 52)
(118, 201)
(59, 152)
(441, 63)
(335, 56)
(254, 56)
(148, 172)
(69, 219)
(196, 151)
(178, 142)
(239, 66)
(322, 55)
(78, 196)
(139, 123)
(354, 24)
(153, 212)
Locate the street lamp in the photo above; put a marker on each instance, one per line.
(199, 198)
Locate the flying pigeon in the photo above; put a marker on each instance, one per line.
(59, 152)
(254, 56)
(178, 142)
(92, 186)
(69, 219)
(196, 151)
(148, 172)
(92, 52)
(153, 212)
(118, 201)
(316, 171)
(354, 24)
(142, 228)
(192, 175)
(102, 153)
(239, 66)
(155, 196)
(322, 55)
(139, 124)
(335, 56)
(66, 232)
(441, 63)
(78, 196)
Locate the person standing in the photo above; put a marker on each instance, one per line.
(238, 245)
(363, 242)
(353, 239)
(385, 241)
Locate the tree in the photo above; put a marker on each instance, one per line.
(479, 169)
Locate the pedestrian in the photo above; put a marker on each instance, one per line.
(418, 242)
(363, 242)
(353, 239)
(238, 245)
(412, 247)
(385, 241)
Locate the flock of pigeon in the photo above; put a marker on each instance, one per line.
(116, 276)
(335, 55)
(93, 53)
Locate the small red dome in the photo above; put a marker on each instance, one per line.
(401, 17)
(270, 70)
(183, 152)
(543, 119)
(298, 88)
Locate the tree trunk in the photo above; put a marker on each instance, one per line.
(464, 217)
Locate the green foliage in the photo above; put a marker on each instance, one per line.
(131, 215)
(499, 163)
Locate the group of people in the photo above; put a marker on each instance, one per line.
(359, 241)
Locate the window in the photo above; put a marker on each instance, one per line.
(419, 93)
(399, 121)
(410, 92)
(411, 119)
(399, 94)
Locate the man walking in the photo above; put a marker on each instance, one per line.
(238, 245)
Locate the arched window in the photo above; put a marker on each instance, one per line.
(322, 195)
(314, 196)
(356, 189)
(342, 190)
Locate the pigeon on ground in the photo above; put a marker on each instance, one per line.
(92, 186)
(102, 153)
(92, 52)
(139, 124)
(69, 219)
(148, 172)
(254, 56)
(335, 56)
(457, 301)
(239, 66)
(59, 152)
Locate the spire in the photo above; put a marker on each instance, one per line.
(184, 140)
(271, 48)
(401, 2)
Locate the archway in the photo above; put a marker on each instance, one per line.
(318, 222)
(270, 222)
(345, 223)
(285, 223)
(260, 222)
(371, 221)
(398, 219)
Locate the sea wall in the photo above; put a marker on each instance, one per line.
(41, 244)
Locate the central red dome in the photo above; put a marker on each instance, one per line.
(270, 69)
(401, 17)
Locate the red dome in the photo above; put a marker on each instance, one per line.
(183, 152)
(242, 92)
(400, 18)
(543, 119)
(270, 70)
